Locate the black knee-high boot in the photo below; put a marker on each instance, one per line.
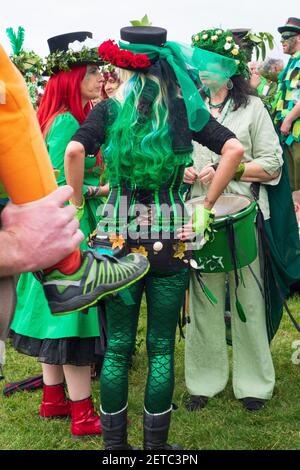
(156, 429)
(114, 430)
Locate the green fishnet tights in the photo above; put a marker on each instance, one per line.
(164, 294)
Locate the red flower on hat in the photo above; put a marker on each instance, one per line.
(124, 59)
(107, 50)
(141, 61)
(110, 52)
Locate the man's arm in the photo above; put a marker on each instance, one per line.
(38, 234)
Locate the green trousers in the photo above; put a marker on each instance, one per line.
(206, 355)
(293, 161)
(164, 294)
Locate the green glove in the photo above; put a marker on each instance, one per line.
(202, 222)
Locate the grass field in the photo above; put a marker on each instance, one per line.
(223, 424)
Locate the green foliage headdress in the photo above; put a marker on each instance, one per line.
(26, 62)
(223, 43)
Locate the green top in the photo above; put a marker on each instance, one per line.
(33, 317)
(289, 95)
(254, 129)
(57, 139)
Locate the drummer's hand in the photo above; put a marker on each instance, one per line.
(206, 174)
(186, 232)
(190, 175)
(199, 225)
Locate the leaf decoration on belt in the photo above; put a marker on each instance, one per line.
(180, 249)
(141, 250)
(117, 241)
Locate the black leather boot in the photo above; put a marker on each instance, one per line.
(156, 429)
(114, 430)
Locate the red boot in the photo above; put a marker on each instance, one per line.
(54, 403)
(85, 422)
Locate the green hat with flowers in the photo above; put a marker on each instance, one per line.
(223, 43)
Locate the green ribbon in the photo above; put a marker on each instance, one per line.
(184, 59)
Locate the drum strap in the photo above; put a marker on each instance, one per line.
(210, 296)
(264, 251)
(232, 248)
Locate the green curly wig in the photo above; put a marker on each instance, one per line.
(139, 147)
(223, 43)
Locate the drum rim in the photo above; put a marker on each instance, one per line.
(234, 214)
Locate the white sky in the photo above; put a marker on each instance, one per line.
(45, 18)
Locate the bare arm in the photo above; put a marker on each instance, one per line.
(255, 173)
(231, 154)
(74, 169)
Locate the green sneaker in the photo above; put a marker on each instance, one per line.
(98, 276)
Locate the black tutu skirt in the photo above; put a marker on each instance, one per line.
(63, 351)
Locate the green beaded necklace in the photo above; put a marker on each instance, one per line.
(215, 106)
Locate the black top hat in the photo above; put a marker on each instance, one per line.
(292, 25)
(144, 35)
(61, 42)
(62, 58)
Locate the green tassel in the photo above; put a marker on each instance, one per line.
(209, 294)
(240, 311)
(16, 40)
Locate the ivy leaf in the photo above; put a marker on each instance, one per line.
(254, 38)
(135, 23)
(270, 40)
(145, 21)
(263, 50)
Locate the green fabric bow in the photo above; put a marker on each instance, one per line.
(185, 60)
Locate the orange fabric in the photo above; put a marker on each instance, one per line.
(25, 167)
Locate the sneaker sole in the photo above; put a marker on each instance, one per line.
(101, 296)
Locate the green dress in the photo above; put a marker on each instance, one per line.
(68, 339)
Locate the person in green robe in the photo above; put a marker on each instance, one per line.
(66, 345)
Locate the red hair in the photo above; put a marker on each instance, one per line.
(62, 94)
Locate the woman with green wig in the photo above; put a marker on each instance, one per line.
(146, 134)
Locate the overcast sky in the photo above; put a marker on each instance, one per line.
(45, 18)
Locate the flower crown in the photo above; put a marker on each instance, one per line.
(110, 52)
(84, 52)
(223, 43)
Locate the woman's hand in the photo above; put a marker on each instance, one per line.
(190, 175)
(206, 174)
(97, 191)
(186, 232)
(200, 225)
(104, 190)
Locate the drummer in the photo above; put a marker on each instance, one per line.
(206, 361)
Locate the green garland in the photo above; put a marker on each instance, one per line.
(64, 60)
(223, 43)
(28, 62)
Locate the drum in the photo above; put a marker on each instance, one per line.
(234, 243)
